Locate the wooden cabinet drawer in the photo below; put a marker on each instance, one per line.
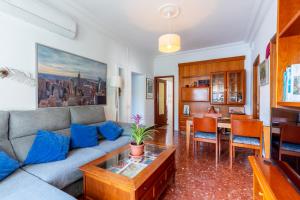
(160, 185)
(149, 195)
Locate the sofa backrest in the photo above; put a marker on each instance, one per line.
(23, 126)
(5, 144)
(87, 114)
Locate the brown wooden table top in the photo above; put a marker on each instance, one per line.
(105, 175)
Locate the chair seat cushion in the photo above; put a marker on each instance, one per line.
(62, 173)
(22, 185)
(204, 135)
(246, 140)
(48, 147)
(108, 146)
(291, 147)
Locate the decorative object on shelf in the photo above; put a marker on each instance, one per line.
(203, 83)
(236, 110)
(171, 42)
(149, 88)
(186, 110)
(116, 82)
(138, 134)
(17, 75)
(212, 110)
(264, 72)
(66, 79)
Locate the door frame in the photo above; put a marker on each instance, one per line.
(155, 97)
(255, 87)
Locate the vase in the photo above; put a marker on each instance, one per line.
(137, 150)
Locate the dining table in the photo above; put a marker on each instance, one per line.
(223, 122)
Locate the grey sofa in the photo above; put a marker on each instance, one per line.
(55, 180)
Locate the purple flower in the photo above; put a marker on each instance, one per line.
(137, 119)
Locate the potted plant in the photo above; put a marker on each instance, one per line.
(138, 134)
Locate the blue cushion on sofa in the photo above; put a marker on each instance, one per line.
(290, 146)
(110, 130)
(7, 165)
(83, 136)
(48, 147)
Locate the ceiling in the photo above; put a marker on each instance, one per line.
(202, 23)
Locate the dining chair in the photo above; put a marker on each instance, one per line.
(289, 141)
(240, 117)
(246, 133)
(206, 130)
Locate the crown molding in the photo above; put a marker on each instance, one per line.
(240, 44)
(259, 14)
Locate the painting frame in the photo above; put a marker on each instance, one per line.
(264, 72)
(149, 88)
(93, 91)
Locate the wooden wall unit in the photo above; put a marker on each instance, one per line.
(202, 70)
(288, 44)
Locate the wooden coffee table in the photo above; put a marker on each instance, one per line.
(119, 176)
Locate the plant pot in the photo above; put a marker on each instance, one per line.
(137, 150)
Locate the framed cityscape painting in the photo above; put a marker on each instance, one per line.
(149, 88)
(66, 79)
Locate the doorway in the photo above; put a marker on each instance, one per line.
(164, 101)
(255, 89)
(138, 86)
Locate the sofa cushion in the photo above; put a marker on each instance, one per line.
(87, 114)
(7, 165)
(110, 130)
(62, 173)
(5, 146)
(291, 147)
(4, 116)
(24, 125)
(126, 128)
(21, 185)
(83, 136)
(48, 147)
(108, 146)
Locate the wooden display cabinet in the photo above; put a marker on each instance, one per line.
(236, 87)
(218, 88)
(288, 44)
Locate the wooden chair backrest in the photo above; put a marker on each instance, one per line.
(290, 133)
(205, 124)
(247, 128)
(240, 117)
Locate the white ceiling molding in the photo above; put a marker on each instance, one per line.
(259, 14)
(41, 15)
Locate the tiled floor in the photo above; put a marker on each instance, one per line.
(198, 178)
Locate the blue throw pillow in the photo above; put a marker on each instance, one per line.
(83, 136)
(110, 130)
(7, 165)
(48, 147)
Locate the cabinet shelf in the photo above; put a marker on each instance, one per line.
(292, 28)
(288, 104)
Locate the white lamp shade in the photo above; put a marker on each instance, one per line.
(169, 43)
(116, 81)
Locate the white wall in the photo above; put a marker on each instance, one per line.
(168, 65)
(266, 30)
(17, 50)
(138, 95)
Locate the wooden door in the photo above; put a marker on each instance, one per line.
(255, 89)
(161, 102)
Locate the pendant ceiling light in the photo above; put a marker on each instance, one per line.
(171, 42)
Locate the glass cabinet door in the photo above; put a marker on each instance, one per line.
(235, 87)
(218, 93)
